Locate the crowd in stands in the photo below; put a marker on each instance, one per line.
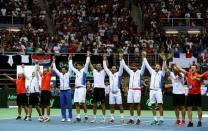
(99, 26)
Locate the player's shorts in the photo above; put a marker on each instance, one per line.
(156, 96)
(22, 99)
(45, 98)
(134, 96)
(80, 95)
(115, 98)
(99, 95)
(178, 100)
(34, 99)
(194, 100)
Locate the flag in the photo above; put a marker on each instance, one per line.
(184, 60)
(42, 59)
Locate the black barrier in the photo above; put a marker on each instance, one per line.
(8, 98)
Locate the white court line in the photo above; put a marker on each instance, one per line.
(103, 127)
(137, 129)
(10, 118)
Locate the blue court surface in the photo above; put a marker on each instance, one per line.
(56, 125)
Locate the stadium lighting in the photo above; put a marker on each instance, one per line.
(171, 32)
(13, 29)
(193, 31)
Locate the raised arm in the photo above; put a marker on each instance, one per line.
(54, 67)
(39, 73)
(25, 74)
(10, 78)
(142, 68)
(105, 65)
(146, 63)
(120, 71)
(180, 69)
(91, 67)
(71, 67)
(87, 62)
(205, 74)
(164, 66)
(127, 69)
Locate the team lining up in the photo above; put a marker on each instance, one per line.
(177, 76)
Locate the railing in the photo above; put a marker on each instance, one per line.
(189, 22)
(12, 20)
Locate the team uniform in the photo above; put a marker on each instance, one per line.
(99, 89)
(178, 89)
(134, 92)
(194, 90)
(65, 93)
(46, 89)
(155, 84)
(115, 92)
(22, 99)
(80, 82)
(99, 86)
(34, 89)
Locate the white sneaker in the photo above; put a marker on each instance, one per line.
(93, 121)
(63, 120)
(103, 121)
(69, 120)
(47, 119)
(41, 118)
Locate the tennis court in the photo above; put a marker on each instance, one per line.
(8, 123)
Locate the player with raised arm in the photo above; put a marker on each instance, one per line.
(45, 92)
(65, 91)
(178, 91)
(194, 94)
(21, 100)
(134, 92)
(80, 86)
(34, 92)
(155, 95)
(115, 97)
(99, 90)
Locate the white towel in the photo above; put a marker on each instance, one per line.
(25, 58)
(10, 60)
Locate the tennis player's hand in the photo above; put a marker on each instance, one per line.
(144, 54)
(88, 53)
(70, 57)
(104, 56)
(120, 56)
(54, 59)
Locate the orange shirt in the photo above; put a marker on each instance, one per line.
(205, 74)
(20, 86)
(46, 80)
(195, 85)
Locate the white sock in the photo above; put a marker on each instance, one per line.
(132, 117)
(155, 118)
(122, 115)
(104, 117)
(139, 118)
(112, 116)
(161, 118)
(78, 115)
